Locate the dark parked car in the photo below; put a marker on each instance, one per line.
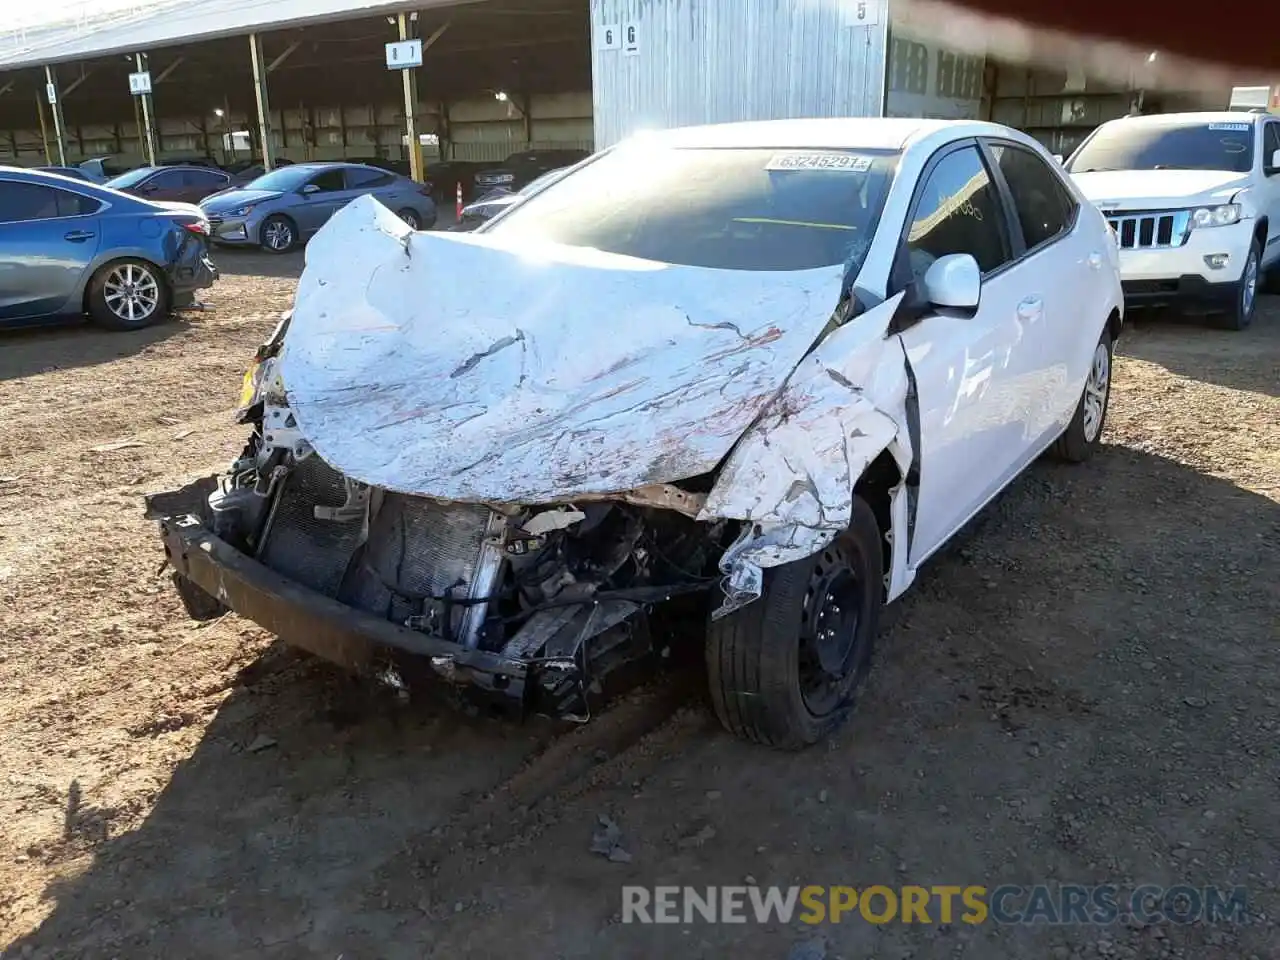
(70, 248)
(493, 203)
(401, 167)
(283, 208)
(522, 168)
(75, 173)
(182, 184)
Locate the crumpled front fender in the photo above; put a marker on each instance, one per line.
(791, 477)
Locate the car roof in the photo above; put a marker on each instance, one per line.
(1179, 119)
(867, 133)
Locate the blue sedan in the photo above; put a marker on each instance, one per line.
(281, 209)
(70, 248)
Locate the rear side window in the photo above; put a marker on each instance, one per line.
(958, 211)
(204, 179)
(358, 179)
(1044, 207)
(24, 202)
(727, 208)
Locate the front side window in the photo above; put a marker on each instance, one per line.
(204, 179)
(958, 211)
(1044, 207)
(329, 182)
(1158, 144)
(726, 208)
(127, 181)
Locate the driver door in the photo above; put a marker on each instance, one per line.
(1270, 188)
(968, 366)
(317, 205)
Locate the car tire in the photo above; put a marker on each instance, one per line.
(128, 294)
(1083, 435)
(1245, 303)
(278, 234)
(410, 216)
(778, 676)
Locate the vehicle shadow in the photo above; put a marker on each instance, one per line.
(301, 811)
(1191, 347)
(235, 262)
(34, 350)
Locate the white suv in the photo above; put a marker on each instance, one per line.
(1194, 200)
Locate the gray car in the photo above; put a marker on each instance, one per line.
(283, 208)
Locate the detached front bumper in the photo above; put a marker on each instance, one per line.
(304, 618)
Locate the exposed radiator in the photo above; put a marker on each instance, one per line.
(416, 549)
(313, 552)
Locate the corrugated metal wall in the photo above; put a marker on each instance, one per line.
(712, 61)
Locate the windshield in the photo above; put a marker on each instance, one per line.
(1149, 146)
(130, 179)
(730, 209)
(282, 180)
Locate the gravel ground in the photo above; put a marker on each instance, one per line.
(1082, 690)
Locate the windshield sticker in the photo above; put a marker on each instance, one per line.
(818, 161)
(1234, 127)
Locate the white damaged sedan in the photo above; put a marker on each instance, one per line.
(749, 375)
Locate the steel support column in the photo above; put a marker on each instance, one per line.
(410, 79)
(59, 128)
(44, 129)
(148, 115)
(260, 94)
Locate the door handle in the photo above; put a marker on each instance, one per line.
(1030, 309)
(1095, 260)
(78, 236)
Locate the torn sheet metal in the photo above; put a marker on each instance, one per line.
(792, 475)
(451, 366)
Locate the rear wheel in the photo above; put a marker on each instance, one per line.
(785, 670)
(128, 295)
(279, 234)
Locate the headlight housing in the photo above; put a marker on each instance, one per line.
(242, 211)
(254, 382)
(1220, 216)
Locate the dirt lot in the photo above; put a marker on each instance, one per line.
(1083, 690)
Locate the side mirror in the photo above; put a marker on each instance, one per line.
(1275, 162)
(953, 281)
(310, 188)
(1059, 158)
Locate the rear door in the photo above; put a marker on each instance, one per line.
(48, 239)
(1063, 263)
(381, 183)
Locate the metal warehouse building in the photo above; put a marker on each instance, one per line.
(312, 79)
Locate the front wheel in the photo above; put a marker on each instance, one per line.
(1083, 435)
(279, 234)
(1240, 315)
(410, 216)
(128, 295)
(785, 670)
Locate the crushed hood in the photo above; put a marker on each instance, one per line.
(457, 367)
(1155, 189)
